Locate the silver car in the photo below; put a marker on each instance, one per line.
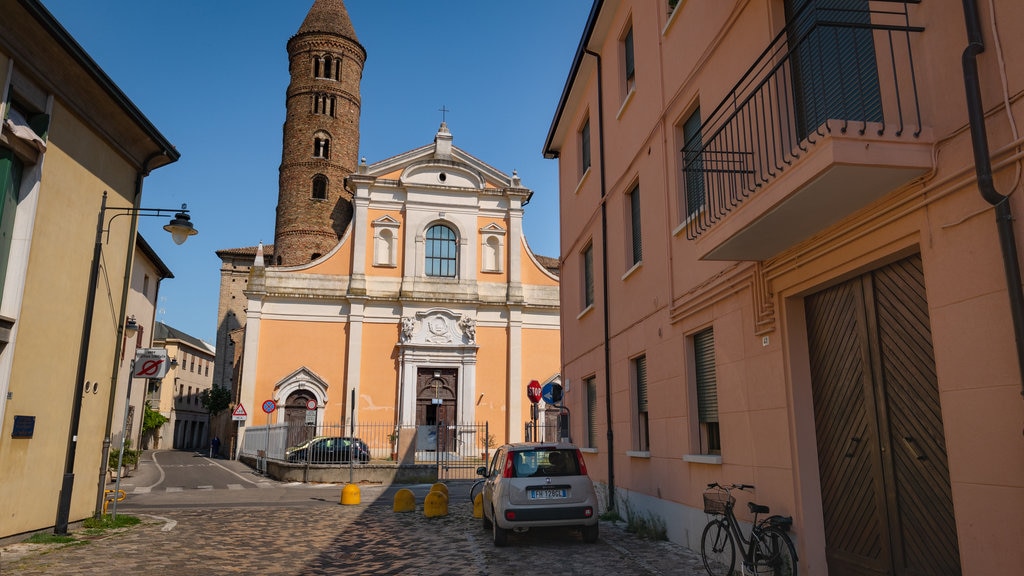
(531, 485)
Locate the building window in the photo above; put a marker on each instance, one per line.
(441, 256)
(590, 384)
(639, 377)
(322, 146)
(320, 187)
(588, 276)
(693, 165)
(192, 366)
(10, 184)
(323, 104)
(327, 67)
(629, 64)
(636, 237)
(707, 391)
(145, 284)
(585, 147)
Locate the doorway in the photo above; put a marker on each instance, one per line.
(436, 404)
(886, 498)
(295, 417)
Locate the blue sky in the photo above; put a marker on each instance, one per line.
(211, 76)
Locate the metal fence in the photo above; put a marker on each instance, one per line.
(456, 449)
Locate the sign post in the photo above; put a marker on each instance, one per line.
(268, 406)
(238, 415)
(533, 392)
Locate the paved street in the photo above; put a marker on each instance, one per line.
(238, 523)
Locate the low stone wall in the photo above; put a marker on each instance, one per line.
(371, 472)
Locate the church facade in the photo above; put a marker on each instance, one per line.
(401, 291)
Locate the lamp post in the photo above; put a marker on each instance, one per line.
(180, 228)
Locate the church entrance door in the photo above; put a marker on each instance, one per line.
(436, 401)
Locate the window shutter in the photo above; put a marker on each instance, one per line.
(707, 384)
(641, 383)
(628, 41)
(693, 163)
(634, 207)
(591, 412)
(588, 275)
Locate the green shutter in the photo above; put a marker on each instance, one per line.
(707, 384)
(10, 182)
(591, 413)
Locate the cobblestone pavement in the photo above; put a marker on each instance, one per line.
(323, 537)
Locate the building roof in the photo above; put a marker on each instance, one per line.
(328, 16)
(250, 251)
(163, 332)
(147, 250)
(549, 263)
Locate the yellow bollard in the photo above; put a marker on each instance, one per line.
(440, 487)
(405, 501)
(350, 494)
(435, 504)
(478, 506)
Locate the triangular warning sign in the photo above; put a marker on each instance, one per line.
(239, 410)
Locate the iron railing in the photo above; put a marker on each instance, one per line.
(829, 68)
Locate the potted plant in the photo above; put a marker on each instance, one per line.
(487, 442)
(393, 440)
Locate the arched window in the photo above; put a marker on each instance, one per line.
(328, 67)
(322, 146)
(442, 255)
(316, 67)
(320, 187)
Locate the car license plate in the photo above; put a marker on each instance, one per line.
(548, 494)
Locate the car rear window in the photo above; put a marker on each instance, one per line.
(545, 462)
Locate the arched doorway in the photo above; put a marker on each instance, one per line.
(436, 404)
(295, 417)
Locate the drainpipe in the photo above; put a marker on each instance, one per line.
(604, 287)
(125, 286)
(983, 168)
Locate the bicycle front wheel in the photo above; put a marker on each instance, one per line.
(774, 554)
(716, 548)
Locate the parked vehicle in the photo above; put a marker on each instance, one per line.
(530, 485)
(329, 450)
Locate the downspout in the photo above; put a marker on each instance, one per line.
(125, 286)
(604, 287)
(983, 168)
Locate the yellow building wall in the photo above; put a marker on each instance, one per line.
(532, 274)
(78, 168)
(491, 377)
(288, 345)
(378, 379)
(338, 262)
(496, 277)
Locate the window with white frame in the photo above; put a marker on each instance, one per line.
(585, 147)
(492, 248)
(385, 242)
(441, 258)
(642, 433)
(628, 60)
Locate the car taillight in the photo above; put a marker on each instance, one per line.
(510, 515)
(583, 463)
(588, 512)
(508, 471)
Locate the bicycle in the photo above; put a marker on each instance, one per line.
(769, 549)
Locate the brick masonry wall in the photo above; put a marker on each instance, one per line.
(308, 227)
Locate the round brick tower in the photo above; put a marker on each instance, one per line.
(321, 135)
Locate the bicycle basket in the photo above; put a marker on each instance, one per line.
(718, 502)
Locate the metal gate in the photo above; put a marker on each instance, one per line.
(461, 449)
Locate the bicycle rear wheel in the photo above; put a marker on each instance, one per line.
(774, 554)
(716, 548)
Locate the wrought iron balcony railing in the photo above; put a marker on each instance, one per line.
(835, 60)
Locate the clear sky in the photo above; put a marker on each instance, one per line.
(211, 75)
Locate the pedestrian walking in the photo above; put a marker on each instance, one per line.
(215, 447)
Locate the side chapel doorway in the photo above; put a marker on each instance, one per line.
(295, 417)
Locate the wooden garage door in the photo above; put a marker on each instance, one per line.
(881, 448)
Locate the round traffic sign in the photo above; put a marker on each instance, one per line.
(533, 391)
(269, 406)
(310, 404)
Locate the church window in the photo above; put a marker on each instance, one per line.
(320, 187)
(441, 256)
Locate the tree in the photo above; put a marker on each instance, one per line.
(151, 419)
(215, 399)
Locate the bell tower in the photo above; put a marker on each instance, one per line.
(321, 135)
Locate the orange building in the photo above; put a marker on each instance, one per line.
(786, 241)
(431, 308)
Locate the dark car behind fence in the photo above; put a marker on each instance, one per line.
(455, 449)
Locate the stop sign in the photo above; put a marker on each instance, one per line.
(533, 391)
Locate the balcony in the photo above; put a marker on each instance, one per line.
(825, 122)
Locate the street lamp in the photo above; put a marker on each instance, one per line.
(180, 228)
